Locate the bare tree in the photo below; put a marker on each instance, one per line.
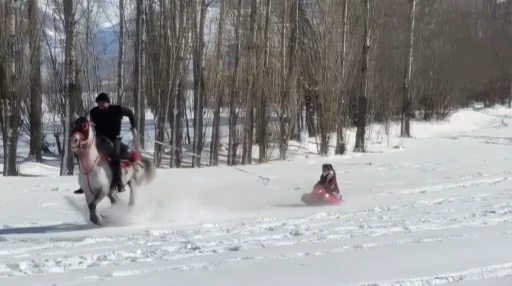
(510, 68)
(7, 78)
(219, 88)
(263, 100)
(199, 92)
(232, 143)
(120, 55)
(362, 99)
(36, 101)
(137, 71)
(406, 91)
(340, 142)
(287, 110)
(70, 70)
(250, 85)
(177, 85)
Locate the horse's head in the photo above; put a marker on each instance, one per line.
(82, 134)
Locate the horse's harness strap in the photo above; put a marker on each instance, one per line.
(86, 173)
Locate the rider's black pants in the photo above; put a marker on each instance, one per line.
(115, 150)
(121, 149)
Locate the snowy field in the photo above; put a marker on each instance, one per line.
(437, 211)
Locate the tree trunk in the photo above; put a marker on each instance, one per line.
(137, 71)
(198, 86)
(70, 66)
(250, 86)
(4, 115)
(406, 91)
(215, 142)
(289, 77)
(340, 142)
(179, 68)
(310, 111)
(9, 93)
(143, 59)
(75, 104)
(120, 55)
(172, 123)
(36, 101)
(262, 110)
(494, 46)
(157, 72)
(363, 102)
(160, 137)
(232, 144)
(510, 68)
(178, 129)
(283, 138)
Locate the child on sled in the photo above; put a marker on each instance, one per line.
(328, 180)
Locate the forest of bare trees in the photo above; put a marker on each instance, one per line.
(230, 81)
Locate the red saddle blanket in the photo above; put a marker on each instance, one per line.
(125, 163)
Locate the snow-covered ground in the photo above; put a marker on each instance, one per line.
(437, 211)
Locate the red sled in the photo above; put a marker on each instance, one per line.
(318, 197)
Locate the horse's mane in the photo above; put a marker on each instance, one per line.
(81, 118)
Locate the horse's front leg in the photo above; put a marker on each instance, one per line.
(112, 197)
(99, 195)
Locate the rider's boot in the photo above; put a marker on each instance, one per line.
(117, 184)
(116, 176)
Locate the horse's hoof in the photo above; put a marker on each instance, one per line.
(80, 191)
(95, 220)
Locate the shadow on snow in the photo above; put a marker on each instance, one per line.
(56, 228)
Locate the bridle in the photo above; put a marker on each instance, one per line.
(81, 143)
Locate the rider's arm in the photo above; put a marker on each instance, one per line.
(128, 113)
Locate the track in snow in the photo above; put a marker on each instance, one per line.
(461, 216)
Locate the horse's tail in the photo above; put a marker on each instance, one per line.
(149, 169)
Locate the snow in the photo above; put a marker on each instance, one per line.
(437, 211)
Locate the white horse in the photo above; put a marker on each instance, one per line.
(95, 173)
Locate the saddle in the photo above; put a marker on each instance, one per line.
(133, 157)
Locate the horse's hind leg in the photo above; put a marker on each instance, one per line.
(93, 216)
(132, 194)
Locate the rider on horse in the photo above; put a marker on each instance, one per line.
(107, 122)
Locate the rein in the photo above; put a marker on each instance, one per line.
(86, 173)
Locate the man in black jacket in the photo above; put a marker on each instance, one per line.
(107, 122)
